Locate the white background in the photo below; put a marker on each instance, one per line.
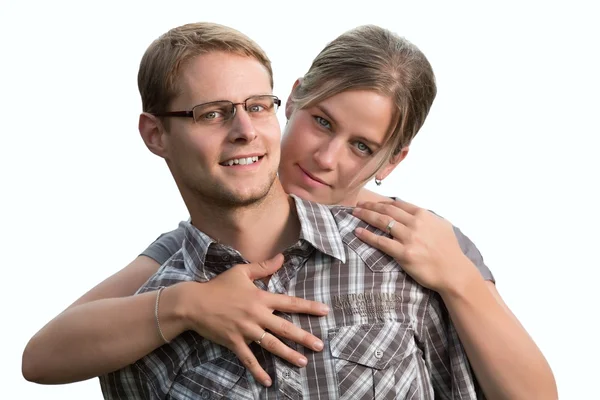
(508, 152)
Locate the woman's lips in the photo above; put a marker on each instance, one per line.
(311, 179)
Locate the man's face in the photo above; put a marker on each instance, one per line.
(199, 153)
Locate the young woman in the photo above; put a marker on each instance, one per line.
(350, 118)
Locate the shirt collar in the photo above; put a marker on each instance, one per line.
(195, 247)
(319, 228)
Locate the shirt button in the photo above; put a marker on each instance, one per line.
(286, 374)
(205, 394)
(378, 353)
(225, 257)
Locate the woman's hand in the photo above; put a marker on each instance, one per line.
(231, 311)
(426, 247)
(422, 242)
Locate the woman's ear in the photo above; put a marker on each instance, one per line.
(392, 164)
(153, 134)
(289, 104)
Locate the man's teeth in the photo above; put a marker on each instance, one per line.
(241, 161)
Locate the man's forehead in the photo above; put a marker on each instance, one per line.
(223, 76)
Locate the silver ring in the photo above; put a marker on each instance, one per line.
(261, 338)
(390, 225)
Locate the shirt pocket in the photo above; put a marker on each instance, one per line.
(375, 361)
(220, 377)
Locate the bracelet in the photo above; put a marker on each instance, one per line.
(159, 291)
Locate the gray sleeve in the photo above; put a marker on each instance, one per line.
(471, 251)
(165, 245)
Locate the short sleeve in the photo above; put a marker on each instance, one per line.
(471, 251)
(165, 245)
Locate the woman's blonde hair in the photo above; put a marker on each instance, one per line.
(373, 58)
(162, 62)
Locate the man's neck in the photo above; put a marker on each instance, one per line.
(258, 231)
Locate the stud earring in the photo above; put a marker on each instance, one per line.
(378, 182)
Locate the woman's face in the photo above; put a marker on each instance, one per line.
(329, 150)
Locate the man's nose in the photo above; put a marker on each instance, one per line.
(242, 127)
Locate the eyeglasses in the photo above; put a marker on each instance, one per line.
(220, 111)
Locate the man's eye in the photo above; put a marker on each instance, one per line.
(323, 122)
(256, 108)
(211, 116)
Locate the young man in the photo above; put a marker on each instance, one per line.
(386, 336)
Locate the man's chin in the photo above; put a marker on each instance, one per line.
(240, 197)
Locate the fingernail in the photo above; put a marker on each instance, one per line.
(302, 362)
(267, 382)
(357, 209)
(324, 309)
(318, 345)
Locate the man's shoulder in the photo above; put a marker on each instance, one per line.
(171, 272)
(347, 224)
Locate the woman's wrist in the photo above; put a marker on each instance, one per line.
(463, 276)
(173, 316)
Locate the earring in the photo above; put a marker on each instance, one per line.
(378, 182)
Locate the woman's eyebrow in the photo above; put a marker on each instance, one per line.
(328, 114)
(369, 141)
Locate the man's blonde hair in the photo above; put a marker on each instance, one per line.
(372, 58)
(163, 60)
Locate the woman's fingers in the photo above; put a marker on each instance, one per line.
(391, 209)
(400, 204)
(259, 270)
(396, 223)
(296, 305)
(273, 345)
(406, 206)
(389, 246)
(247, 358)
(288, 330)
(251, 317)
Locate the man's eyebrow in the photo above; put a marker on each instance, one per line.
(246, 99)
(328, 114)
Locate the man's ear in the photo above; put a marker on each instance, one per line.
(289, 104)
(152, 132)
(392, 164)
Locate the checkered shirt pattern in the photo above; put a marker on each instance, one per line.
(386, 336)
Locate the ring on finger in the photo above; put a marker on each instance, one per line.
(390, 225)
(261, 338)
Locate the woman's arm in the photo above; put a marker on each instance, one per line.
(506, 361)
(92, 335)
(97, 334)
(76, 345)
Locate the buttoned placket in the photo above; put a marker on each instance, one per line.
(287, 376)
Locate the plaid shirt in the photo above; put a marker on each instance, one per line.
(386, 337)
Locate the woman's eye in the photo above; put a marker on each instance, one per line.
(363, 148)
(323, 122)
